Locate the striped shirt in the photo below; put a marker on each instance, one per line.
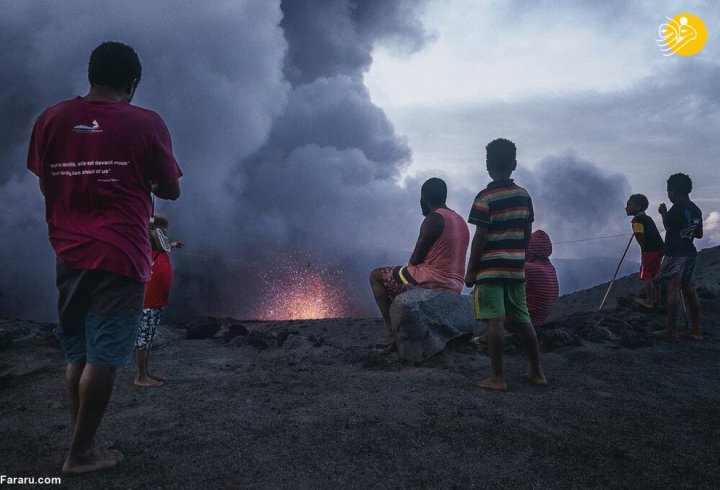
(505, 209)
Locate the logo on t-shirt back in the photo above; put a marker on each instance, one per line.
(84, 128)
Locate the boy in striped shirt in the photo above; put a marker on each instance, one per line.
(503, 215)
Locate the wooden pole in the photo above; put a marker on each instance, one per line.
(685, 313)
(612, 281)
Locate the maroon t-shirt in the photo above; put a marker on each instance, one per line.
(96, 162)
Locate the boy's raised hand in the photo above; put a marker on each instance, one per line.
(662, 209)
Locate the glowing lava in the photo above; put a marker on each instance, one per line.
(298, 290)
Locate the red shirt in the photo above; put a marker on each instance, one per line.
(157, 290)
(96, 162)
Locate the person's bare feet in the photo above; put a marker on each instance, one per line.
(147, 382)
(480, 339)
(537, 379)
(162, 379)
(643, 302)
(388, 349)
(665, 334)
(94, 459)
(492, 384)
(691, 335)
(104, 444)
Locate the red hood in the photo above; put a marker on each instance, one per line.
(540, 247)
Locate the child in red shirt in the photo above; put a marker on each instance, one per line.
(157, 292)
(651, 245)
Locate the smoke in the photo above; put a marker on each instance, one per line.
(576, 199)
(282, 149)
(289, 165)
(324, 184)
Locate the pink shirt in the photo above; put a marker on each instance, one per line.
(96, 162)
(444, 266)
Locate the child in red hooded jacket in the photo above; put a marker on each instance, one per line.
(541, 290)
(157, 292)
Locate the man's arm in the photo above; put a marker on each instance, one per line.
(430, 230)
(167, 191)
(663, 210)
(699, 230)
(476, 249)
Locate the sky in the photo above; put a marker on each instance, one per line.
(305, 129)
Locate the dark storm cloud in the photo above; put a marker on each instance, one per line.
(328, 38)
(281, 146)
(575, 199)
(337, 112)
(636, 138)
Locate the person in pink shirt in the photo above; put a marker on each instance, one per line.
(98, 158)
(438, 261)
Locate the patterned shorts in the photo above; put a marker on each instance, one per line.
(148, 327)
(674, 266)
(397, 280)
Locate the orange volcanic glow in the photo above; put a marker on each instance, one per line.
(302, 292)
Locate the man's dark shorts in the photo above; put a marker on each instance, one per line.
(100, 314)
(397, 280)
(674, 266)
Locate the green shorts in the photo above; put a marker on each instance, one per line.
(493, 301)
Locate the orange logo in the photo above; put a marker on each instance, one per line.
(685, 35)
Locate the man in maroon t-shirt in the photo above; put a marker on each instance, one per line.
(98, 159)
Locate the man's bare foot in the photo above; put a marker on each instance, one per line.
(388, 349)
(162, 379)
(480, 339)
(149, 382)
(492, 384)
(537, 379)
(643, 302)
(665, 334)
(95, 459)
(691, 335)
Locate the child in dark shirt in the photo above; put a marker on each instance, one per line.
(651, 245)
(683, 223)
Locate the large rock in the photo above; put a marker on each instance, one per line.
(423, 321)
(201, 328)
(707, 273)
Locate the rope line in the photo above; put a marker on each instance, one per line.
(611, 236)
(213, 257)
(589, 239)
